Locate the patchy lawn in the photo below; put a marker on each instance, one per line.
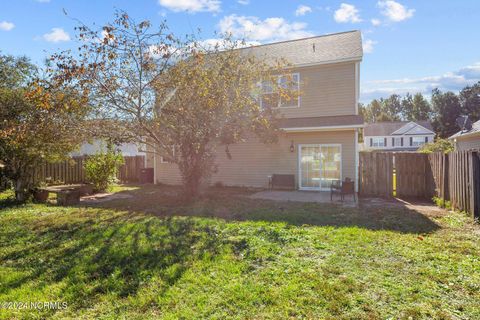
(232, 257)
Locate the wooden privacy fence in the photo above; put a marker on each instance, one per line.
(73, 171)
(130, 170)
(413, 175)
(376, 174)
(457, 179)
(454, 177)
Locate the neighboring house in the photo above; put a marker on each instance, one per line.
(397, 136)
(467, 139)
(319, 143)
(127, 149)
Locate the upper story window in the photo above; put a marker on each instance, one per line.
(289, 95)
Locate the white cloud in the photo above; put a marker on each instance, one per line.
(244, 2)
(376, 22)
(270, 29)
(347, 13)
(395, 11)
(368, 45)
(6, 26)
(302, 10)
(191, 5)
(449, 81)
(56, 35)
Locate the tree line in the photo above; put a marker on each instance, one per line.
(442, 109)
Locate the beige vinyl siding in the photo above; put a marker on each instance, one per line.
(468, 143)
(252, 161)
(326, 90)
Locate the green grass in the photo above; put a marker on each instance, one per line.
(227, 256)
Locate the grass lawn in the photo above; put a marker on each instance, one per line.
(228, 256)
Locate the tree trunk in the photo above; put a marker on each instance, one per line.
(22, 190)
(192, 187)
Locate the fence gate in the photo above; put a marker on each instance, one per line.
(413, 175)
(376, 174)
(408, 173)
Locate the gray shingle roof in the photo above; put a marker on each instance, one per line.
(387, 128)
(320, 49)
(475, 128)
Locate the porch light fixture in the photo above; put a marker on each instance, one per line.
(292, 147)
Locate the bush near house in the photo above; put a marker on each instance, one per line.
(440, 145)
(101, 168)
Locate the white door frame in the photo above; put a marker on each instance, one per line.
(299, 160)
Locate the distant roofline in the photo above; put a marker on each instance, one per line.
(300, 39)
(371, 128)
(406, 121)
(467, 134)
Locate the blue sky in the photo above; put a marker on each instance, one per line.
(409, 45)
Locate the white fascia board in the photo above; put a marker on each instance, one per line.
(302, 65)
(357, 85)
(325, 128)
(415, 125)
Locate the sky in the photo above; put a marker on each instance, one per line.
(409, 46)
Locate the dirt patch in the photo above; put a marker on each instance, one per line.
(421, 206)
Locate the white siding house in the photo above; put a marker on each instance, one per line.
(127, 149)
(397, 136)
(467, 139)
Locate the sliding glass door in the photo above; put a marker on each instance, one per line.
(319, 166)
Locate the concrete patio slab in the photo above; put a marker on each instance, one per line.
(303, 196)
(103, 197)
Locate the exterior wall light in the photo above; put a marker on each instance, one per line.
(292, 147)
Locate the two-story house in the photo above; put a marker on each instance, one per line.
(318, 144)
(397, 135)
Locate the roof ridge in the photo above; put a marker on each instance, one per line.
(300, 39)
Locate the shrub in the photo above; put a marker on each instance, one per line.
(440, 145)
(442, 203)
(101, 169)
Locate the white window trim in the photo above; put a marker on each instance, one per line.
(299, 161)
(279, 102)
(418, 144)
(378, 138)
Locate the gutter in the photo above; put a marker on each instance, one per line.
(324, 128)
(312, 64)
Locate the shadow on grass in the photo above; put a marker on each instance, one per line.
(117, 248)
(107, 253)
(232, 204)
(7, 199)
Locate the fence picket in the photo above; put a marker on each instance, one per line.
(72, 171)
